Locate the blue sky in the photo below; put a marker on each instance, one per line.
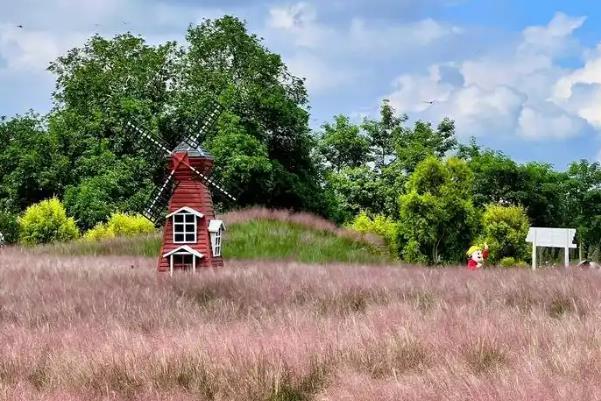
(523, 77)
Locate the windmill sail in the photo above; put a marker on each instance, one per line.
(159, 200)
(205, 124)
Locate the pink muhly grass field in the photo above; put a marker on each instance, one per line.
(83, 328)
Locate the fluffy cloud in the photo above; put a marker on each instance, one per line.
(32, 50)
(511, 91)
(330, 56)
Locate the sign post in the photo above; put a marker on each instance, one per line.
(552, 238)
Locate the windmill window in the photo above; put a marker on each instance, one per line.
(217, 243)
(184, 228)
(216, 228)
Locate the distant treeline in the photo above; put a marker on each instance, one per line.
(413, 175)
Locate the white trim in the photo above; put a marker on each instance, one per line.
(215, 225)
(185, 248)
(216, 228)
(182, 225)
(186, 209)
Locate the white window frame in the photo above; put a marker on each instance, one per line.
(216, 242)
(183, 224)
(216, 228)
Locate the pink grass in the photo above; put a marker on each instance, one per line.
(81, 328)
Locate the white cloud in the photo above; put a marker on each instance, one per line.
(378, 37)
(32, 50)
(511, 91)
(319, 75)
(548, 123)
(330, 56)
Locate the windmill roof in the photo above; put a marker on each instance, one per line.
(191, 150)
(184, 249)
(215, 225)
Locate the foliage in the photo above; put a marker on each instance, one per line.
(437, 216)
(507, 261)
(380, 225)
(241, 161)
(583, 188)
(504, 230)
(46, 222)
(262, 145)
(342, 145)
(9, 226)
(367, 167)
(535, 186)
(120, 225)
(30, 167)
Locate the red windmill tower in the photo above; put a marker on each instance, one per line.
(184, 204)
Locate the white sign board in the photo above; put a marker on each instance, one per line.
(551, 237)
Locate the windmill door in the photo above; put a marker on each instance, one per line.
(182, 261)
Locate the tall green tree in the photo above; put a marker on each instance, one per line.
(504, 229)
(583, 190)
(165, 89)
(383, 134)
(31, 165)
(437, 217)
(342, 145)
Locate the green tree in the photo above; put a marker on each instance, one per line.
(354, 189)
(535, 186)
(414, 145)
(46, 222)
(241, 161)
(437, 216)
(9, 226)
(583, 209)
(224, 60)
(164, 89)
(342, 145)
(504, 229)
(383, 133)
(30, 164)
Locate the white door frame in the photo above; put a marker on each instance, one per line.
(182, 253)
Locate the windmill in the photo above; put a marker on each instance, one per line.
(184, 203)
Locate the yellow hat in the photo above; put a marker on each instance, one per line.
(473, 249)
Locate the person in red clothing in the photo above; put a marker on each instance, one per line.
(477, 255)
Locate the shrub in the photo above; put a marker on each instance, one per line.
(504, 230)
(46, 222)
(100, 231)
(120, 225)
(9, 227)
(380, 225)
(507, 261)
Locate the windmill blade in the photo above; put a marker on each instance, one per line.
(205, 124)
(160, 198)
(208, 181)
(147, 136)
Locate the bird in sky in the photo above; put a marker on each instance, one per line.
(429, 101)
(20, 26)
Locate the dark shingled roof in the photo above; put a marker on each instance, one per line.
(192, 151)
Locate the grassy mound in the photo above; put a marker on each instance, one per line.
(257, 234)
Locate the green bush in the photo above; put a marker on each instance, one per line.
(504, 230)
(9, 226)
(507, 261)
(120, 225)
(380, 225)
(46, 222)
